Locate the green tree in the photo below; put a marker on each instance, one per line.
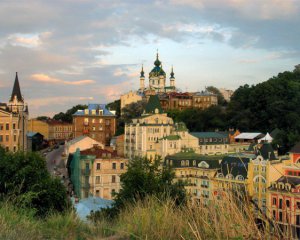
(221, 100)
(25, 180)
(42, 118)
(68, 115)
(143, 178)
(116, 106)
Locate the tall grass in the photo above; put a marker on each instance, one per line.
(148, 219)
(156, 219)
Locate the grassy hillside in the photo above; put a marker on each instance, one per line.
(150, 219)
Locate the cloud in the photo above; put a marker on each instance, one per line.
(47, 79)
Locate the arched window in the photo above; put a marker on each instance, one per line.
(194, 163)
(240, 178)
(182, 162)
(187, 163)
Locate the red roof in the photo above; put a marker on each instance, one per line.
(99, 153)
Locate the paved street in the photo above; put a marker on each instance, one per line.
(54, 159)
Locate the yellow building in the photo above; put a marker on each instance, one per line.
(96, 172)
(13, 121)
(250, 174)
(154, 133)
(197, 171)
(51, 129)
(130, 97)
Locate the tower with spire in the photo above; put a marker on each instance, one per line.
(172, 79)
(142, 79)
(157, 78)
(17, 109)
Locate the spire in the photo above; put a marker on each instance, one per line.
(16, 90)
(157, 63)
(142, 72)
(172, 73)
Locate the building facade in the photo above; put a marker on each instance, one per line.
(212, 143)
(154, 133)
(13, 121)
(96, 121)
(96, 172)
(52, 130)
(197, 172)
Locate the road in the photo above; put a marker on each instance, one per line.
(54, 159)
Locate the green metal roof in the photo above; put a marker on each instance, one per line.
(208, 135)
(153, 104)
(172, 137)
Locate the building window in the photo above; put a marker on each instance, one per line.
(298, 205)
(97, 179)
(114, 166)
(97, 193)
(274, 201)
(1, 138)
(280, 203)
(14, 126)
(7, 138)
(122, 166)
(274, 214)
(15, 138)
(7, 126)
(1, 126)
(113, 178)
(287, 203)
(280, 217)
(98, 166)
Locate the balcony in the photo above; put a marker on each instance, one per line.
(85, 172)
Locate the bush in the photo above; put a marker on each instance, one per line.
(25, 180)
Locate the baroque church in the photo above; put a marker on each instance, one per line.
(13, 121)
(157, 84)
(157, 79)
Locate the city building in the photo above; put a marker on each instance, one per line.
(82, 143)
(51, 129)
(96, 172)
(226, 93)
(96, 121)
(13, 121)
(168, 95)
(212, 143)
(197, 171)
(34, 141)
(154, 133)
(248, 137)
(284, 196)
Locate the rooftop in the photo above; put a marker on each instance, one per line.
(101, 110)
(249, 136)
(99, 153)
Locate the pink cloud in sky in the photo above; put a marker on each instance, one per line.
(40, 77)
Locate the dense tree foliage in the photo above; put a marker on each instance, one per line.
(129, 112)
(221, 100)
(24, 179)
(210, 119)
(144, 178)
(42, 118)
(273, 104)
(116, 106)
(67, 116)
(269, 105)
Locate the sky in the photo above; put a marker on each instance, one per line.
(70, 52)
